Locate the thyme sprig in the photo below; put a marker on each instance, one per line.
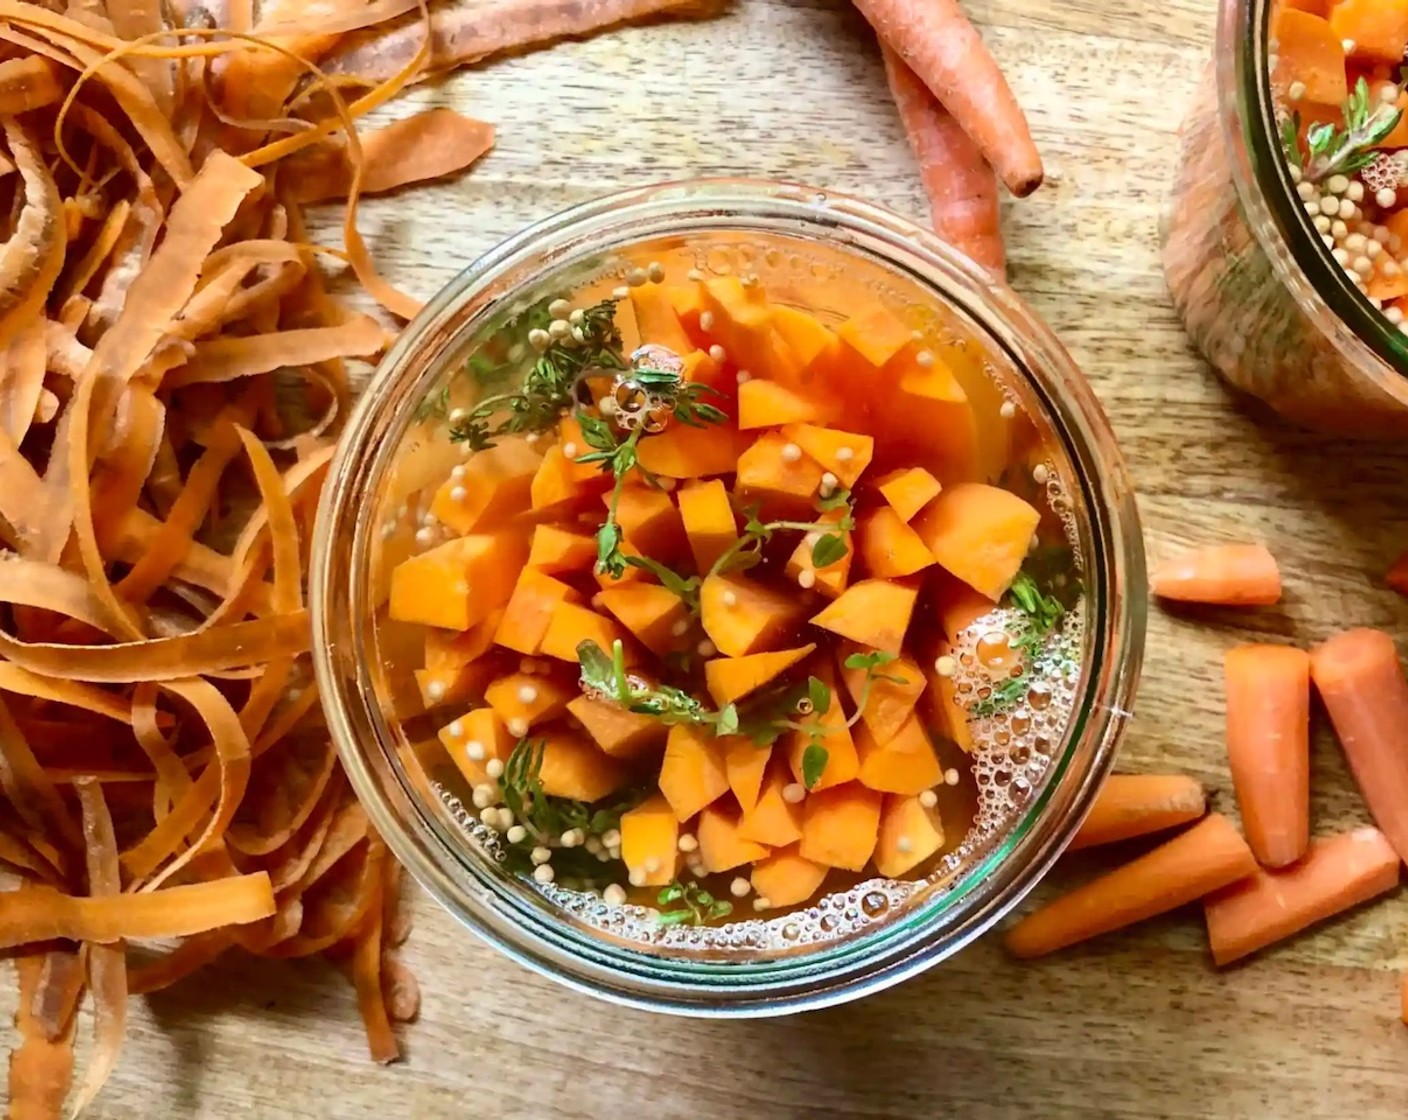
(1341, 149)
(830, 546)
(691, 904)
(543, 815)
(1043, 613)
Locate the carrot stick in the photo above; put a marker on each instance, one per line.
(945, 50)
(1242, 575)
(1206, 858)
(1268, 748)
(41, 914)
(960, 183)
(1361, 682)
(1335, 874)
(1132, 805)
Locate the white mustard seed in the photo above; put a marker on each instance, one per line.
(1355, 191)
(946, 666)
(806, 579)
(489, 818)
(687, 842)
(845, 454)
(611, 838)
(740, 887)
(457, 471)
(1348, 45)
(481, 797)
(951, 777)
(1394, 315)
(540, 855)
(694, 275)
(717, 352)
(494, 768)
(560, 308)
(505, 819)
(1338, 229)
(1329, 205)
(527, 694)
(622, 292)
(1307, 191)
(1340, 255)
(904, 845)
(614, 895)
(791, 453)
(1372, 249)
(474, 749)
(636, 277)
(435, 690)
(1008, 410)
(594, 845)
(743, 377)
(518, 727)
(1354, 242)
(425, 536)
(656, 272)
(539, 339)
(458, 494)
(517, 834)
(1336, 184)
(1381, 234)
(455, 730)
(794, 793)
(1362, 265)
(928, 799)
(924, 359)
(679, 628)
(637, 877)
(559, 329)
(706, 321)
(544, 873)
(829, 480)
(1295, 91)
(651, 865)
(1041, 474)
(569, 449)
(578, 317)
(1386, 197)
(761, 903)
(729, 598)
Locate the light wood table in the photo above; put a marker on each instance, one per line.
(1135, 1026)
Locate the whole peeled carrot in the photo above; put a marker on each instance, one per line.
(1132, 805)
(1238, 575)
(1335, 874)
(960, 183)
(1206, 858)
(1268, 748)
(944, 49)
(1361, 681)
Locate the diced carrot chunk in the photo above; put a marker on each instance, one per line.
(692, 774)
(785, 878)
(945, 709)
(888, 547)
(559, 481)
(767, 404)
(688, 302)
(876, 333)
(530, 609)
(619, 733)
(495, 485)
(933, 382)
(709, 522)
(782, 486)
(447, 650)
(732, 678)
(649, 612)
(840, 826)
(650, 521)
(891, 696)
(681, 451)
(908, 490)
(844, 454)
(1377, 28)
(657, 321)
(806, 336)
(523, 700)
(909, 834)
(773, 820)
(873, 612)
(573, 767)
(650, 835)
(979, 533)
(830, 579)
(905, 763)
(742, 323)
(475, 738)
(556, 550)
(572, 625)
(720, 846)
(958, 605)
(743, 617)
(1310, 52)
(454, 684)
(458, 583)
(632, 575)
(745, 763)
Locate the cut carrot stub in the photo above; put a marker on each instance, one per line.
(650, 521)
(1336, 873)
(888, 547)
(530, 608)
(458, 583)
(709, 522)
(657, 617)
(555, 551)
(905, 763)
(1130, 805)
(1309, 51)
(1377, 28)
(783, 483)
(1242, 575)
(909, 834)
(493, 485)
(692, 774)
(844, 454)
(573, 767)
(876, 333)
(873, 612)
(619, 733)
(745, 764)
(742, 616)
(572, 625)
(908, 490)
(524, 700)
(773, 820)
(732, 678)
(979, 533)
(1268, 748)
(840, 826)
(720, 846)
(656, 319)
(767, 404)
(1359, 678)
(475, 738)
(650, 835)
(1209, 856)
(786, 878)
(890, 697)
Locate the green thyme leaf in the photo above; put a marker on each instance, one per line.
(727, 723)
(814, 760)
(819, 693)
(828, 550)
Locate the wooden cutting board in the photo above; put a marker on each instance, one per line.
(1135, 1026)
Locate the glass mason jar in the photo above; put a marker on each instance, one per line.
(792, 238)
(1256, 287)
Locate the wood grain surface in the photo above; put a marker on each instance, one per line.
(1137, 1025)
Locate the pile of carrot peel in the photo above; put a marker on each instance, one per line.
(1271, 879)
(174, 361)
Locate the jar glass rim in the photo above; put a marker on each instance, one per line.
(1260, 172)
(894, 948)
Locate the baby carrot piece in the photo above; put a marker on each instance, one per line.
(944, 49)
(1268, 748)
(1241, 575)
(1206, 858)
(1336, 873)
(1361, 682)
(960, 183)
(1132, 805)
